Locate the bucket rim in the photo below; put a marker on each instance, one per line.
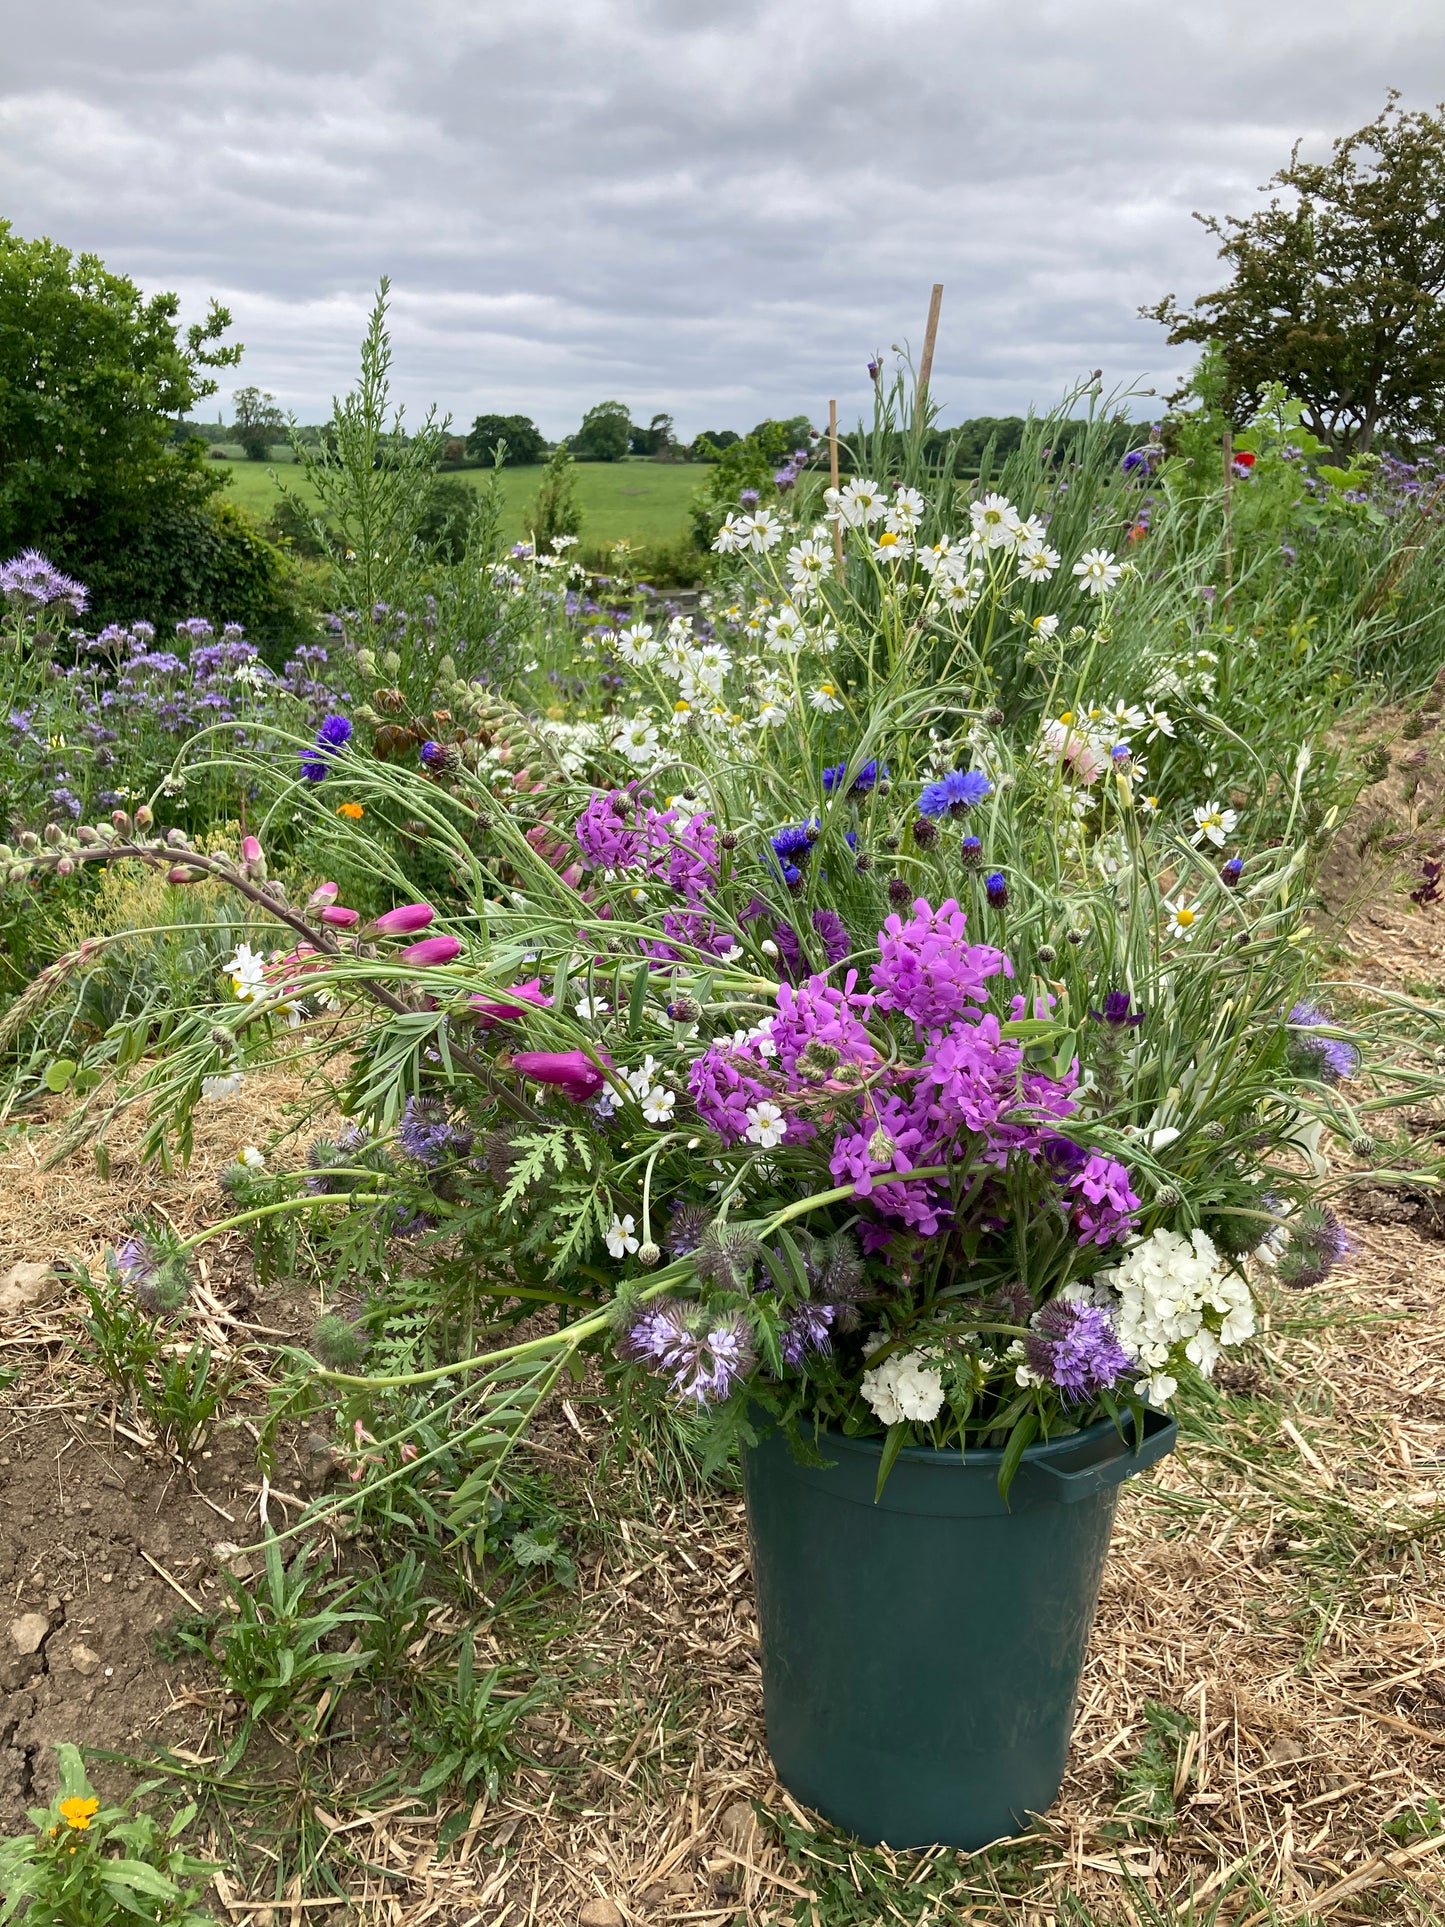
(990, 1457)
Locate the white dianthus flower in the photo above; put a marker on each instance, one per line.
(904, 1387)
(1172, 1298)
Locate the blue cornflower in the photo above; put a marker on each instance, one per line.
(794, 841)
(867, 776)
(951, 795)
(334, 734)
(1231, 872)
(995, 888)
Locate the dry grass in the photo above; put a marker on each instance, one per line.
(1279, 1581)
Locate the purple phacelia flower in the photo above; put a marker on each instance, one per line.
(30, 582)
(1331, 1059)
(1075, 1349)
(806, 1328)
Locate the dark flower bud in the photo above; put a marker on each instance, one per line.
(889, 844)
(994, 718)
(1167, 1198)
(1231, 872)
(925, 834)
(900, 892)
(1213, 1130)
(684, 1010)
(728, 840)
(1363, 1146)
(1074, 937)
(1046, 953)
(862, 863)
(995, 888)
(971, 851)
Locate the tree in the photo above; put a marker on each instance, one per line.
(526, 443)
(258, 422)
(605, 433)
(656, 439)
(556, 510)
(1338, 287)
(710, 443)
(93, 379)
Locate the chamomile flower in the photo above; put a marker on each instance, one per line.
(1097, 571)
(905, 511)
(221, 1085)
(729, 538)
(1181, 918)
(247, 971)
(786, 634)
(1045, 626)
(809, 561)
(1037, 562)
(858, 504)
(637, 740)
(759, 531)
(766, 1125)
(995, 521)
(1161, 723)
(890, 546)
(1030, 530)
(933, 555)
(636, 644)
(658, 1105)
(1213, 823)
(825, 698)
(621, 1236)
(252, 1158)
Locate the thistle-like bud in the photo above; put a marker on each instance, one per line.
(1213, 1130)
(995, 718)
(1075, 937)
(1167, 1198)
(900, 892)
(684, 1010)
(882, 1149)
(925, 833)
(817, 1059)
(648, 1254)
(862, 863)
(1046, 953)
(1363, 1146)
(337, 1343)
(889, 844)
(728, 840)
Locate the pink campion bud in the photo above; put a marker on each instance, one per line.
(432, 950)
(404, 919)
(409, 1451)
(340, 916)
(572, 875)
(251, 851)
(323, 894)
(182, 873)
(503, 1011)
(571, 1071)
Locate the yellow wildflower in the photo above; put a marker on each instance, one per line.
(352, 810)
(78, 1813)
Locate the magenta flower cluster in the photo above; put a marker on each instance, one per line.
(928, 970)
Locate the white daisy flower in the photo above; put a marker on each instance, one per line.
(222, 1085)
(759, 531)
(1213, 823)
(995, 521)
(1097, 571)
(253, 1159)
(658, 1105)
(729, 538)
(1037, 562)
(1181, 919)
(247, 971)
(636, 644)
(890, 546)
(859, 503)
(825, 698)
(1045, 626)
(786, 634)
(809, 561)
(637, 740)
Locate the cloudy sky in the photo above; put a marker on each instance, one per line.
(716, 210)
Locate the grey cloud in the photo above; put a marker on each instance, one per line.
(718, 212)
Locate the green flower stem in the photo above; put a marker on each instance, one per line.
(272, 1210)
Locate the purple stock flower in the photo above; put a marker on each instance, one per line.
(1331, 1059)
(722, 1090)
(928, 970)
(951, 795)
(1107, 1207)
(1075, 1349)
(31, 582)
(815, 1012)
(612, 831)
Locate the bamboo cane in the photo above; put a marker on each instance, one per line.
(833, 477)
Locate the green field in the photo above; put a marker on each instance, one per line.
(639, 501)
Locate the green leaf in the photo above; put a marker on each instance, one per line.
(59, 1073)
(140, 1878)
(892, 1446)
(637, 1002)
(1019, 1440)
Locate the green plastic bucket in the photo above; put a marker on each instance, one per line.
(921, 1654)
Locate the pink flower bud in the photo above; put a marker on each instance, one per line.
(504, 1009)
(338, 914)
(251, 851)
(403, 920)
(571, 1071)
(323, 894)
(432, 950)
(182, 873)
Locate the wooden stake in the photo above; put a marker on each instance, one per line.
(930, 336)
(833, 477)
(1228, 517)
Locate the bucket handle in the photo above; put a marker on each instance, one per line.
(1160, 1432)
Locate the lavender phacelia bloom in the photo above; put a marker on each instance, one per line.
(429, 1134)
(1315, 1244)
(703, 1362)
(1075, 1349)
(806, 1328)
(1330, 1059)
(30, 582)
